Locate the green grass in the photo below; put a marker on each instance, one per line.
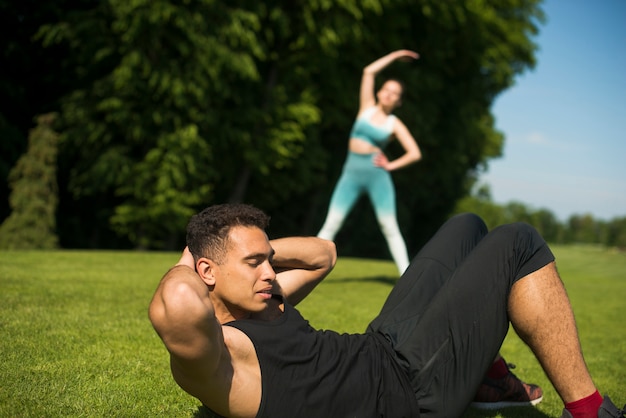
(76, 340)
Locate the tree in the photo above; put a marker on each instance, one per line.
(583, 228)
(480, 202)
(616, 233)
(176, 105)
(548, 225)
(179, 105)
(31, 78)
(33, 200)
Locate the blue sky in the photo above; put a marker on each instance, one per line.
(565, 121)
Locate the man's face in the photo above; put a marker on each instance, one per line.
(244, 280)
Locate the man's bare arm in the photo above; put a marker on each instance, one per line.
(183, 316)
(301, 263)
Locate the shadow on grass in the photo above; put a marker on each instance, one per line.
(391, 281)
(204, 412)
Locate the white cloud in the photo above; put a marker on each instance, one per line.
(536, 138)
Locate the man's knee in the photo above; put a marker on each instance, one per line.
(527, 249)
(520, 233)
(468, 222)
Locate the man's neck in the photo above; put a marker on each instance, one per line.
(225, 313)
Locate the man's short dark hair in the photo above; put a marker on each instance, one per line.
(208, 231)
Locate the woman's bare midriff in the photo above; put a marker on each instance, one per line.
(358, 146)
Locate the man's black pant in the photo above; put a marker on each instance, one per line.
(447, 316)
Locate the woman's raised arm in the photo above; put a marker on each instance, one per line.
(367, 97)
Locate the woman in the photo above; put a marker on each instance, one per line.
(366, 169)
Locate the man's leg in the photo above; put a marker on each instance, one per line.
(541, 314)
(411, 297)
(448, 336)
(431, 268)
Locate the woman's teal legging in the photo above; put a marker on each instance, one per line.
(360, 175)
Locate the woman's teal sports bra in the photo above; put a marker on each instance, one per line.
(377, 135)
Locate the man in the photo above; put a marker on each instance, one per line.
(225, 313)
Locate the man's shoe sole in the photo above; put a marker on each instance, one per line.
(504, 404)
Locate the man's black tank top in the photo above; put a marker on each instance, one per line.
(311, 373)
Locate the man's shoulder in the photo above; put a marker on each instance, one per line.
(235, 385)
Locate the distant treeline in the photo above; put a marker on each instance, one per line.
(578, 228)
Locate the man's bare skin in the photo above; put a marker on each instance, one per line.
(218, 364)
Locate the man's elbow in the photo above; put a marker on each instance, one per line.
(329, 259)
(332, 254)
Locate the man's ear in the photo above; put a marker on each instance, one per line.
(206, 269)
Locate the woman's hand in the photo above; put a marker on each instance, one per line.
(381, 160)
(405, 55)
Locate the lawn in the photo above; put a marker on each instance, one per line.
(76, 340)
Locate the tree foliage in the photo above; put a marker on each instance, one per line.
(576, 229)
(184, 104)
(33, 199)
(31, 79)
(166, 107)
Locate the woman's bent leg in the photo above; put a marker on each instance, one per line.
(383, 197)
(344, 196)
